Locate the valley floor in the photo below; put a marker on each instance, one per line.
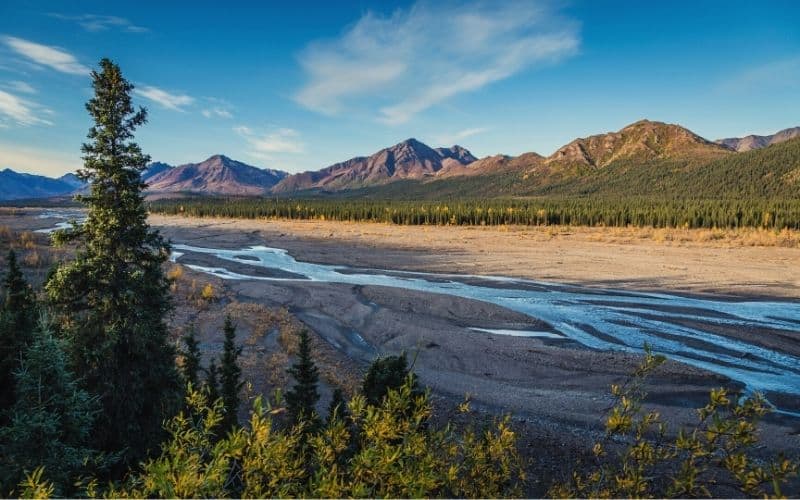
(556, 389)
(745, 263)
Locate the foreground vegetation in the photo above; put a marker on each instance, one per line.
(773, 214)
(89, 379)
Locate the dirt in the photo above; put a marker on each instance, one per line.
(603, 257)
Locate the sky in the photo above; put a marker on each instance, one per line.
(301, 85)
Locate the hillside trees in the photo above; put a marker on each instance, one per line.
(110, 301)
(50, 421)
(17, 319)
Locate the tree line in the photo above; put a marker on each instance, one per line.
(774, 214)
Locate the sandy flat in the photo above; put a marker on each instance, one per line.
(676, 260)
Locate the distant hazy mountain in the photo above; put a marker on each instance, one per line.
(409, 159)
(750, 142)
(72, 180)
(16, 186)
(217, 175)
(643, 140)
(154, 169)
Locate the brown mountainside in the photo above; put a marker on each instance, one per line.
(643, 140)
(409, 159)
(217, 175)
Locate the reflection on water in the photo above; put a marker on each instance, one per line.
(603, 320)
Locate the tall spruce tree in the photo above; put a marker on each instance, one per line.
(17, 321)
(191, 358)
(230, 375)
(302, 398)
(51, 419)
(111, 300)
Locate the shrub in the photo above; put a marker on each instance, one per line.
(717, 449)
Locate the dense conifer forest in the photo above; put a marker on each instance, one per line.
(587, 211)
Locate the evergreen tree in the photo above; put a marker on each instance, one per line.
(112, 299)
(191, 358)
(17, 317)
(302, 398)
(212, 381)
(384, 374)
(230, 375)
(51, 419)
(337, 410)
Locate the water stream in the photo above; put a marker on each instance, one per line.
(614, 320)
(677, 326)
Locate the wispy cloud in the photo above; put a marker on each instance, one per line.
(453, 138)
(45, 55)
(94, 22)
(20, 86)
(168, 100)
(217, 112)
(781, 73)
(20, 111)
(413, 59)
(265, 145)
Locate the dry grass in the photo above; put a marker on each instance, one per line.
(34, 253)
(721, 238)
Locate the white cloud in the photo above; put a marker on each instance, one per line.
(20, 111)
(217, 112)
(94, 23)
(21, 86)
(413, 59)
(45, 55)
(175, 102)
(448, 139)
(264, 145)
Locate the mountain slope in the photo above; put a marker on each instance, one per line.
(409, 159)
(751, 142)
(16, 186)
(768, 173)
(217, 175)
(640, 141)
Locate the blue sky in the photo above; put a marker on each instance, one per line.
(298, 86)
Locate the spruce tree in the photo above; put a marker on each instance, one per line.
(302, 398)
(17, 321)
(212, 381)
(230, 375)
(51, 419)
(337, 410)
(112, 299)
(191, 358)
(384, 374)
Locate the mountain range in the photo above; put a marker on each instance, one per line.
(752, 142)
(643, 150)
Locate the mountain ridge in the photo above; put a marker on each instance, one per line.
(409, 159)
(218, 174)
(643, 149)
(751, 142)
